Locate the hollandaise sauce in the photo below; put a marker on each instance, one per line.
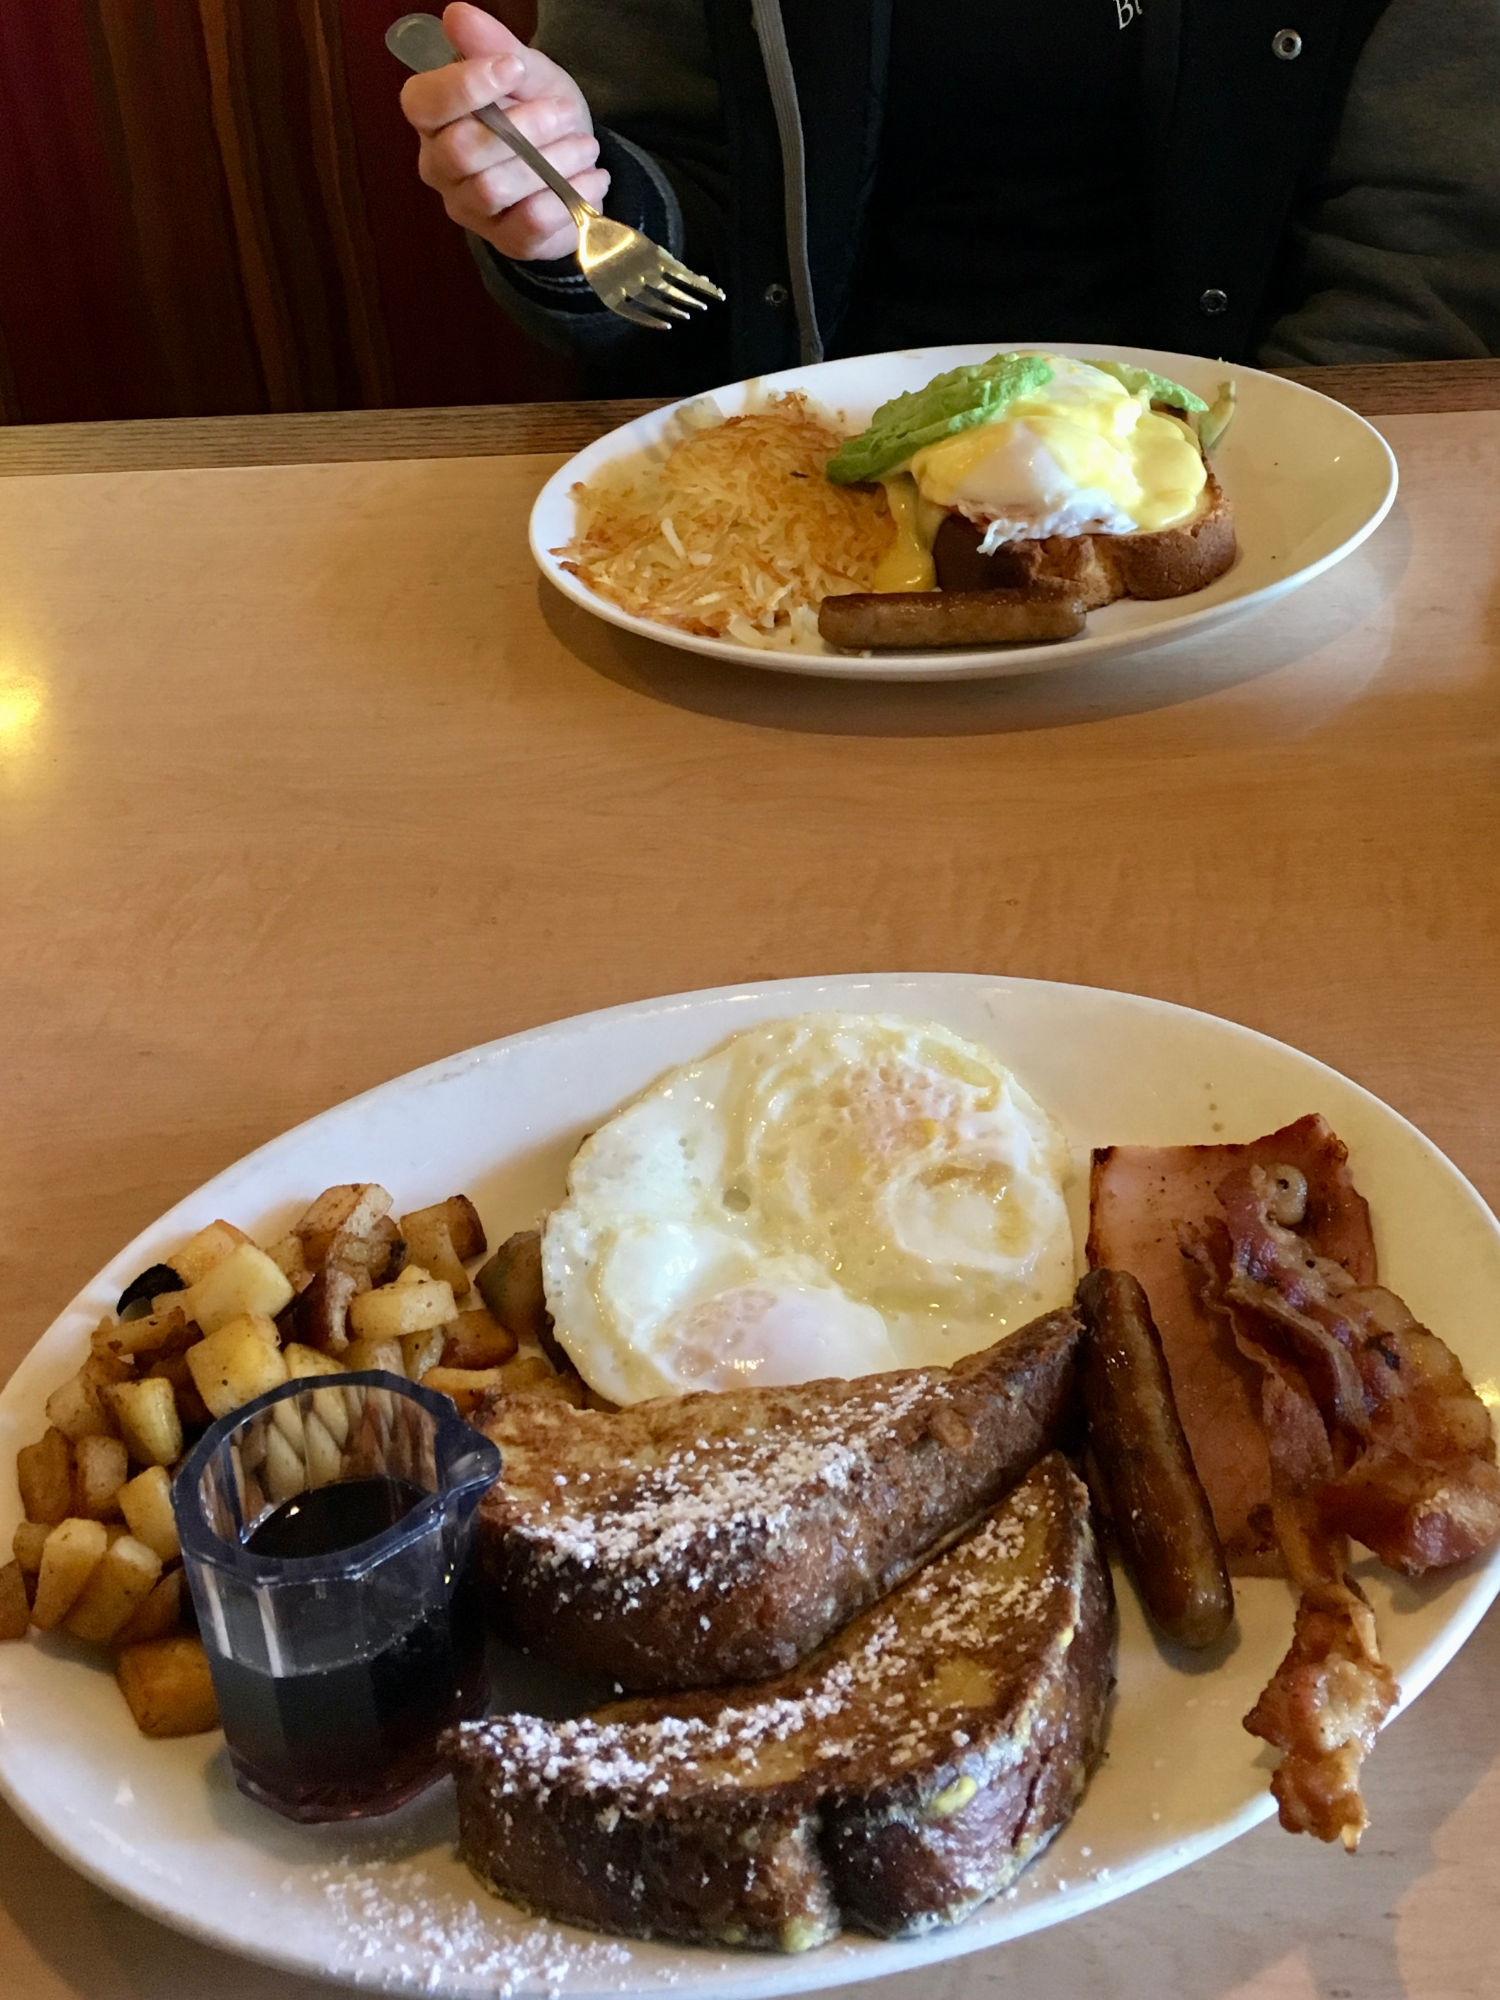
(907, 564)
(1081, 455)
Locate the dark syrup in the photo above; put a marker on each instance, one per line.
(359, 1738)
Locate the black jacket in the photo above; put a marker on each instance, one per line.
(745, 133)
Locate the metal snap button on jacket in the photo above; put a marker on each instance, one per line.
(776, 295)
(1213, 300)
(1287, 44)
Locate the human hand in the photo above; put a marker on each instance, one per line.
(484, 186)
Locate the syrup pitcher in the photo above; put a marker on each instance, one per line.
(328, 1536)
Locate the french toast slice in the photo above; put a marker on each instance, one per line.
(895, 1781)
(708, 1538)
(1165, 562)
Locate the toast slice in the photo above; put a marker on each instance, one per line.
(701, 1539)
(1169, 562)
(897, 1780)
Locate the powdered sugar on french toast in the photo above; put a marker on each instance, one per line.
(876, 1692)
(720, 1488)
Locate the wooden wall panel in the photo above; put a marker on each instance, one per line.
(210, 207)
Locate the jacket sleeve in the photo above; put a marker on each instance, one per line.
(1396, 255)
(647, 72)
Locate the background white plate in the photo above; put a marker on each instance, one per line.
(1309, 481)
(160, 1824)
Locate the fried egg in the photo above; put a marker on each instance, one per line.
(830, 1195)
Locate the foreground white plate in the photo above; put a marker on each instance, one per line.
(160, 1824)
(1309, 481)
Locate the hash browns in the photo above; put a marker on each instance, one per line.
(735, 533)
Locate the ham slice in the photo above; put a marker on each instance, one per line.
(1150, 1207)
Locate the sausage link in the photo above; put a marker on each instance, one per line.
(893, 620)
(1156, 1501)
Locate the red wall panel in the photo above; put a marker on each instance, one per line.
(211, 206)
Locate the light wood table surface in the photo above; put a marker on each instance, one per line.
(304, 781)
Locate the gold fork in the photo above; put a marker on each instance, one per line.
(634, 277)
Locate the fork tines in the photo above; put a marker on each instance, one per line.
(684, 276)
(626, 310)
(657, 301)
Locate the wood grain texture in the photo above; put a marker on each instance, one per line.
(344, 436)
(305, 780)
(211, 206)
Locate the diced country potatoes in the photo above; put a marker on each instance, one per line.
(44, 1471)
(476, 1339)
(411, 1305)
(237, 1362)
(70, 1556)
(146, 1503)
(440, 1238)
(15, 1611)
(78, 1410)
(378, 1252)
(467, 1387)
(98, 1554)
(363, 1354)
(464, 1227)
(302, 1360)
(165, 1330)
(421, 1351)
(27, 1543)
(200, 1253)
(104, 1369)
(322, 1316)
(353, 1208)
(287, 1254)
(168, 1686)
(191, 1407)
(125, 1577)
(511, 1286)
(100, 1468)
(244, 1282)
(149, 1421)
(157, 1614)
(532, 1372)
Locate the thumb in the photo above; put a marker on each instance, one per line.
(517, 71)
(473, 32)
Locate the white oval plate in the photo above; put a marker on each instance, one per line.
(1309, 481)
(160, 1825)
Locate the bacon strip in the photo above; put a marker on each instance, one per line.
(1324, 1705)
(1374, 1431)
(1413, 1473)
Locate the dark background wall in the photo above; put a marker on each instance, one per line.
(211, 206)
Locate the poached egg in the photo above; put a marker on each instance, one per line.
(1082, 454)
(830, 1195)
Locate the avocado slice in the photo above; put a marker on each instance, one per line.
(950, 403)
(1161, 388)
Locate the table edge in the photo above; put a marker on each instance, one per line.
(480, 430)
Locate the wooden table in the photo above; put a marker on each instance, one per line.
(305, 781)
